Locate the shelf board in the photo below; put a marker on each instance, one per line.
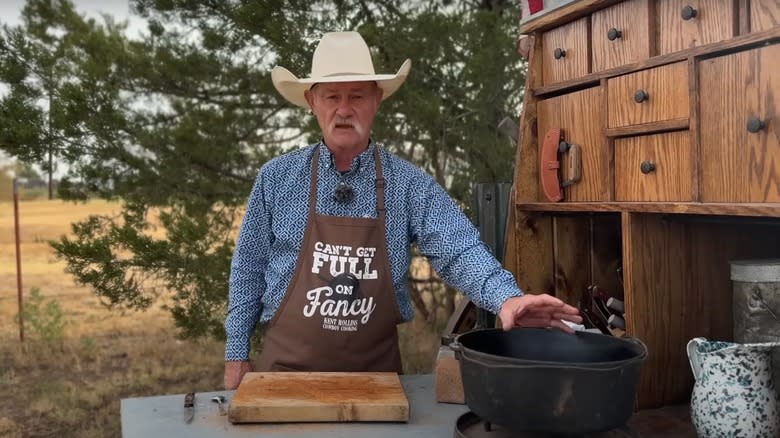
(648, 128)
(726, 209)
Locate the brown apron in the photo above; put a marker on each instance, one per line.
(340, 311)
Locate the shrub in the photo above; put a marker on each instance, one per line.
(43, 318)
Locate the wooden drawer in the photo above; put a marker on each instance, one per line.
(646, 96)
(565, 52)
(764, 14)
(583, 127)
(621, 34)
(739, 165)
(654, 168)
(689, 23)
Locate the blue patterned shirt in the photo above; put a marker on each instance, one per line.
(418, 210)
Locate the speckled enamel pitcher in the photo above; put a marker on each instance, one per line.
(734, 394)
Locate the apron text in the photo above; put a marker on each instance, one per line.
(339, 260)
(361, 307)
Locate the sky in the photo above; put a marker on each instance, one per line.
(10, 11)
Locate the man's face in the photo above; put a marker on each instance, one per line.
(345, 112)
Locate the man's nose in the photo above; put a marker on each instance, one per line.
(344, 109)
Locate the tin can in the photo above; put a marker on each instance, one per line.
(756, 304)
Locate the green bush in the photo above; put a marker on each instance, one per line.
(43, 318)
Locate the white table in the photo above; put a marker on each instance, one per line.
(163, 416)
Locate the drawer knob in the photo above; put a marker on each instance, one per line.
(755, 124)
(688, 12)
(559, 53)
(614, 34)
(647, 167)
(641, 96)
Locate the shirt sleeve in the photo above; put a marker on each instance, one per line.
(247, 272)
(455, 250)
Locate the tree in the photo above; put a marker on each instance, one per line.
(35, 65)
(177, 124)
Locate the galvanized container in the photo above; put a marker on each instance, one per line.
(756, 305)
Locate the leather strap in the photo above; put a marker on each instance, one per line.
(549, 165)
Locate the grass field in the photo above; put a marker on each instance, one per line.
(73, 387)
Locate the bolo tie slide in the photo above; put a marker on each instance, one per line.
(344, 193)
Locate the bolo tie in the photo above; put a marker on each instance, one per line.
(344, 193)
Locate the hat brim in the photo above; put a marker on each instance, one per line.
(292, 88)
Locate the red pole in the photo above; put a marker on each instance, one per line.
(18, 261)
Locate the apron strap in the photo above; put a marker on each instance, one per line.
(315, 161)
(380, 186)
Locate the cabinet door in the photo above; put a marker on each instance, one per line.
(739, 97)
(579, 117)
(683, 24)
(621, 34)
(654, 168)
(565, 52)
(764, 14)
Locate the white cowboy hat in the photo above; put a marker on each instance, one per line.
(339, 57)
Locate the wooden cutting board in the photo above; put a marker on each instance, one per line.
(318, 397)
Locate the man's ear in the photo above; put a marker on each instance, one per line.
(379, 93)
(309, 95)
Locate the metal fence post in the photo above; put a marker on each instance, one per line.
(18, 260)
(491, 208)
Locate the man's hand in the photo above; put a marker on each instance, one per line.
(234, 372)
(538, 311)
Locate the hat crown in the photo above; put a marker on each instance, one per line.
(329, 57)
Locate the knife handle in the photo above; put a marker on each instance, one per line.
(617, 321)
(616, 305)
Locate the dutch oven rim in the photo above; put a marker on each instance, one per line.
(495, 360)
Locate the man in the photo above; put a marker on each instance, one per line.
(323, 251)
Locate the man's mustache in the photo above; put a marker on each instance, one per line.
(342, 122)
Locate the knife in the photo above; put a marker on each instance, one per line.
(189, 407)
(219, 399)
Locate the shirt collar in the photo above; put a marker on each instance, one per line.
(364, 158)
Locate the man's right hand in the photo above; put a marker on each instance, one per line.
(234, 372)
(538, 310)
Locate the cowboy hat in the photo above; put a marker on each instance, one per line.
(339, 57)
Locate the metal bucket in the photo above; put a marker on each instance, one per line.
(756, 305)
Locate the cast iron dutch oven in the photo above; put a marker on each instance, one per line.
(548, 381)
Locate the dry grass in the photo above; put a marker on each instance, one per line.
(74, 387)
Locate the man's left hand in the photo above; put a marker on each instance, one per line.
(541, 310)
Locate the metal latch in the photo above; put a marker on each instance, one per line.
(574, 168)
